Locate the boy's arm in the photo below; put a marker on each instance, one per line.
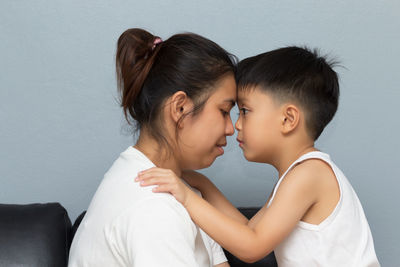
(256, 218)
(224, 264)
(296, 194)
(252, 242)
(213, 195)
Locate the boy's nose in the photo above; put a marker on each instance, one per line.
(238, 124)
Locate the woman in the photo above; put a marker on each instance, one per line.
(179, 93)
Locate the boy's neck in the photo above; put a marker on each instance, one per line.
(290, 155)
(157, 153)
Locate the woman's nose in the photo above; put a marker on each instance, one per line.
(229, 130)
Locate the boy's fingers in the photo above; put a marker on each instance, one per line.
(156, 170)
(147, 175)
(161, 189)
(152, 181)
(151, 172)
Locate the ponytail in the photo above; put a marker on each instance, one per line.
(136, 51)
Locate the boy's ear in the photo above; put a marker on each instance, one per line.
(179, 105)
(290, 118)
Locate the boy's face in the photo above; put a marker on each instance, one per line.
(258, 125)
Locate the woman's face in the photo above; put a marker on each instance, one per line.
(203, 136)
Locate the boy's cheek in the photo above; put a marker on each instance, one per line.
(251, 154)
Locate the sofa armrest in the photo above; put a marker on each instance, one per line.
(34, 235)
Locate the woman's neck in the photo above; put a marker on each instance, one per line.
(158, 154)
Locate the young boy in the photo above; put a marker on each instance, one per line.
(313, 217)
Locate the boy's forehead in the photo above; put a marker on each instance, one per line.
(245, 93)
(242, 98)
(256, 96)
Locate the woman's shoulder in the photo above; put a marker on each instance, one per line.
(130, 162)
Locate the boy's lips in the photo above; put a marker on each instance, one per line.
(240, 142)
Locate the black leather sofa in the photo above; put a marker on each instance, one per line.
(40, 235)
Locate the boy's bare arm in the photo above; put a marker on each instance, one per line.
(256, 218)
(213, 195)
(294, 197)
(224, 264)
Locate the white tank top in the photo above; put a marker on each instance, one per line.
(342, 239)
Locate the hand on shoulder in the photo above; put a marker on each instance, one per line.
(166, 181)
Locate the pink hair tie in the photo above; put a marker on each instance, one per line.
(156, 42)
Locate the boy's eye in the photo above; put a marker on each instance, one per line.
(243, 111)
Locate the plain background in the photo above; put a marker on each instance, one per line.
(61, 126)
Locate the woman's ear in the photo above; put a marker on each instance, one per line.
(179, 105)
(290, 118)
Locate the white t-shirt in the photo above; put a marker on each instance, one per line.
(129, 225)
(342, 239)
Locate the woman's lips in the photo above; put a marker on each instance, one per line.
(220, 148)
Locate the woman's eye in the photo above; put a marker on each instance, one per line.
(224, 112)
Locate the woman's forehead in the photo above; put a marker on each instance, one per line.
(226, 90)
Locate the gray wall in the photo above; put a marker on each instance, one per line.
(61, 127)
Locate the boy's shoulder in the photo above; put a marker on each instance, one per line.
(311, 174)
(312, 168)
(311, 165)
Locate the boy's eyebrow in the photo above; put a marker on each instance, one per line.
(241, 100)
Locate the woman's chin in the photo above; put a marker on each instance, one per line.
(207, 162)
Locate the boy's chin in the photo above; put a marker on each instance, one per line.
(251, 157)
(248, 156)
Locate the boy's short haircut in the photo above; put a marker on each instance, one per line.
(295, 74)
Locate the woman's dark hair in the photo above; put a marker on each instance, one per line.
(148, 72)
(295, 74)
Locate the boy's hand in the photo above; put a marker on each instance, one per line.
(167, 182)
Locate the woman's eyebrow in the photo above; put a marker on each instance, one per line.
(231, 102)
